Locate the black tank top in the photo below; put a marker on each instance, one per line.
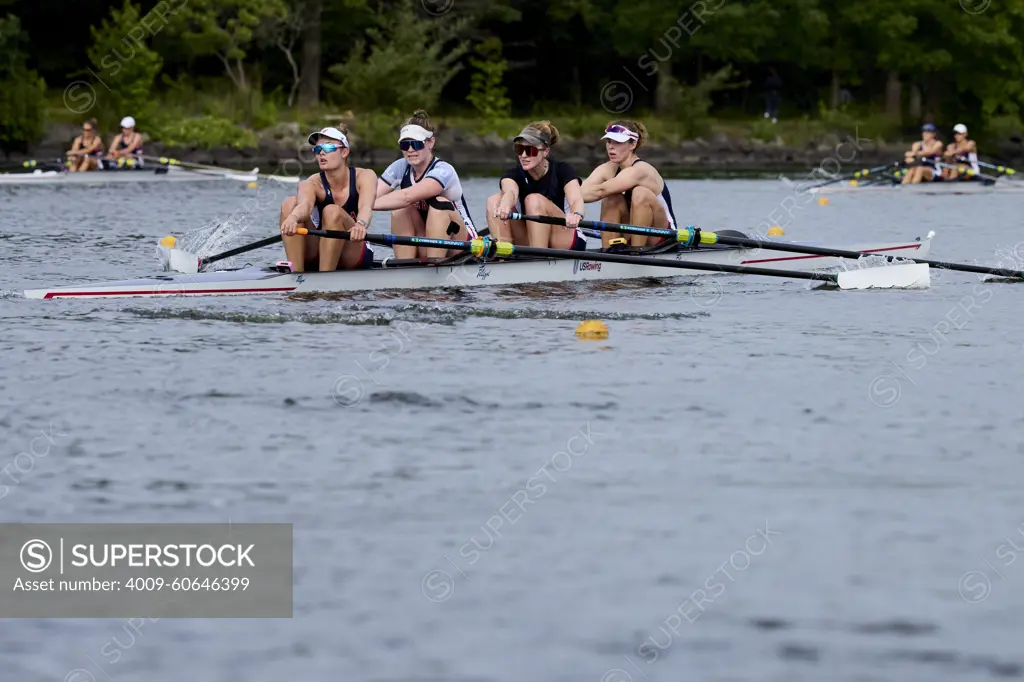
(351, 204)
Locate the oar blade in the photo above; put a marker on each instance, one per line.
(901, 276)
(177, 260)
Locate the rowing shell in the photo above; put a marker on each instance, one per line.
(502, 273)
(947, 188)
(124, 176)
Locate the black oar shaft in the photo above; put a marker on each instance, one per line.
(241, 249)
(778, 246)
(391, 239)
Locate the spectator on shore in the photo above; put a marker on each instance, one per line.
(773, 95)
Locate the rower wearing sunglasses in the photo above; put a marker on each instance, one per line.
(423, 193)
(538, 185)
(339, 197)
(86, 150)
(630, 189)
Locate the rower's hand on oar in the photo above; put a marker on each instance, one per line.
(357, 232)
(289, 225)
(503, 211)
(572, 220)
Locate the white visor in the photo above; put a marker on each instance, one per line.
(414, 132)
(332, 133)
(127, 122)
(621, 137)
(960, 128)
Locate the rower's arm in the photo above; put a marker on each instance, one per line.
(76, 146)
(366, 184)
(626, 180)
(509, 192)
(590, 185)
(427, 188)
(306, 200)
(574, 193)
(113, 144)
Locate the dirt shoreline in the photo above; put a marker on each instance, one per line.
(282, 151)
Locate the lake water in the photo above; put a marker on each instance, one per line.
(767, 481)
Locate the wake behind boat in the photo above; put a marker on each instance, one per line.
(389, 273)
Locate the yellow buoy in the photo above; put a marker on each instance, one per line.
(822, 201)
(775, 231)
(592, 329)
(253, 185)
(853, 183)
(169, 242)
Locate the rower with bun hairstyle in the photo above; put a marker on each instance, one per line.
(538, 185)
(423, 193)
(630, 189)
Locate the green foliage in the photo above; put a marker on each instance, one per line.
(487, 93)
(406, 65)
(204, 131)
(228, 29)
(22, 91)
(126, 67)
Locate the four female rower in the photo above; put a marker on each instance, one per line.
(423, 192)
(127, 145)
(538, 185)
(339, 197)
(630, 189)
(963, 153)
(924, 156)
(86, 150)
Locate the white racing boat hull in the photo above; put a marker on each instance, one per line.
(117, 177)
(268, 281)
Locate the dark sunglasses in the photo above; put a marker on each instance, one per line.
(526, 149)
(415, 145)
(326, 148)
(86, 129)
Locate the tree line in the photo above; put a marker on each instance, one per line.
(911, 61)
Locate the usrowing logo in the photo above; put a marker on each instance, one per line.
(584, 266)
(483, 272)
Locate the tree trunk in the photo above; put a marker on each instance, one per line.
(664, 95)
(915, 102)
(309, 88)
(835, 90)
(893, 95)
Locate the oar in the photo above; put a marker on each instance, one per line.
(189, 263)
(856, 175)
(899, 276)
(228, 172)
(1002, 170)
(691, 235)
(969, 172)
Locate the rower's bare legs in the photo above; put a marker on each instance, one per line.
(647, 211)
(547, 236)
(499, 229)
(437, 228)
(335, 251)
(297, 248)
(404, 222)
(614, 210)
